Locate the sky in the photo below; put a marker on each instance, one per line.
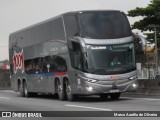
(18, 14)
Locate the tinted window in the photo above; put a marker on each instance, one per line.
(110, 59)
(76, 56)
(29, 66)
(104, 25)
(42, 32)
(71, 25)
(45, 65)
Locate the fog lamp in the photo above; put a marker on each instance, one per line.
(134, 85)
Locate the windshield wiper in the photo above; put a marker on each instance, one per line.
(127, 67)
(99, 71)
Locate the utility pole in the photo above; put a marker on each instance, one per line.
(156, 50)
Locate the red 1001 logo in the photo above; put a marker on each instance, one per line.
(18, 61)
(114, 77)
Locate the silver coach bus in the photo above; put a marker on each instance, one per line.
(76, 53)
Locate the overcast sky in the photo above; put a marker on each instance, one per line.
(17, 14)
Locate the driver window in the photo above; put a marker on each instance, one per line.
(76, 55)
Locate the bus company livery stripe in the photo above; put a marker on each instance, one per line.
(60, 73)
(48, 74)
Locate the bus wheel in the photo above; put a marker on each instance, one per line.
(26, 93)
(21, 90)
(70, 96)
(60, 90)
(115, 96)
(103, 96)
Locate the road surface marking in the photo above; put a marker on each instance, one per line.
(151, 99)
(68, 105)
(4, 98)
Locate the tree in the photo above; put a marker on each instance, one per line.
(151, 17)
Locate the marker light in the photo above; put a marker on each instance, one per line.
(133, 77)
(91, 80)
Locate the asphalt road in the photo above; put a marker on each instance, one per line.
(11, 101)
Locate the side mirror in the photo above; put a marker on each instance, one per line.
(78, 40)
(140, 40)
(83, 45)
(70, 39)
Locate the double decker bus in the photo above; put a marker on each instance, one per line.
(75, 53)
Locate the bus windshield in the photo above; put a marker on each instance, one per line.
(110, 59)
(104, 25)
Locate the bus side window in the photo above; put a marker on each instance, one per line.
(71, 25)
(28, 66)
(76, 56)
(60, 64)
(45, 63)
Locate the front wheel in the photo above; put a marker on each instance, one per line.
(70, 96)
(103, 96)
(26, 93)
(115, 96)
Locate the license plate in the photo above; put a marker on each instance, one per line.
(114, 91)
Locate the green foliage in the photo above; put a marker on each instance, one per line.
(151, 17)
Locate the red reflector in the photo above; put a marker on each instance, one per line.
(114, 77)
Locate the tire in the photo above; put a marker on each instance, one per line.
(115, 96)
(103, 97)
(26, 93)
(60, 91)
(70, 96)
(33, 94)
(21, 89)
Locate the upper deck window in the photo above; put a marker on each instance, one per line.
(104, 25)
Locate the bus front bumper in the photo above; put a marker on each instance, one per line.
(93, 88)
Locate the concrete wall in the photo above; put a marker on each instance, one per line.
(5, 79)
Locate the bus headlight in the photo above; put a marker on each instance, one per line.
(89, 89)
(91, 80)
(133, 77)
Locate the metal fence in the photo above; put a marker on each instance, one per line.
(146, 65)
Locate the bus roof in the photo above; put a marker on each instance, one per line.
(67, 13)
(26, 35)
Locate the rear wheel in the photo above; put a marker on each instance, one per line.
(21, 89)
(70, 96)
(60, 90)
(115, 96)
(26, 93)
